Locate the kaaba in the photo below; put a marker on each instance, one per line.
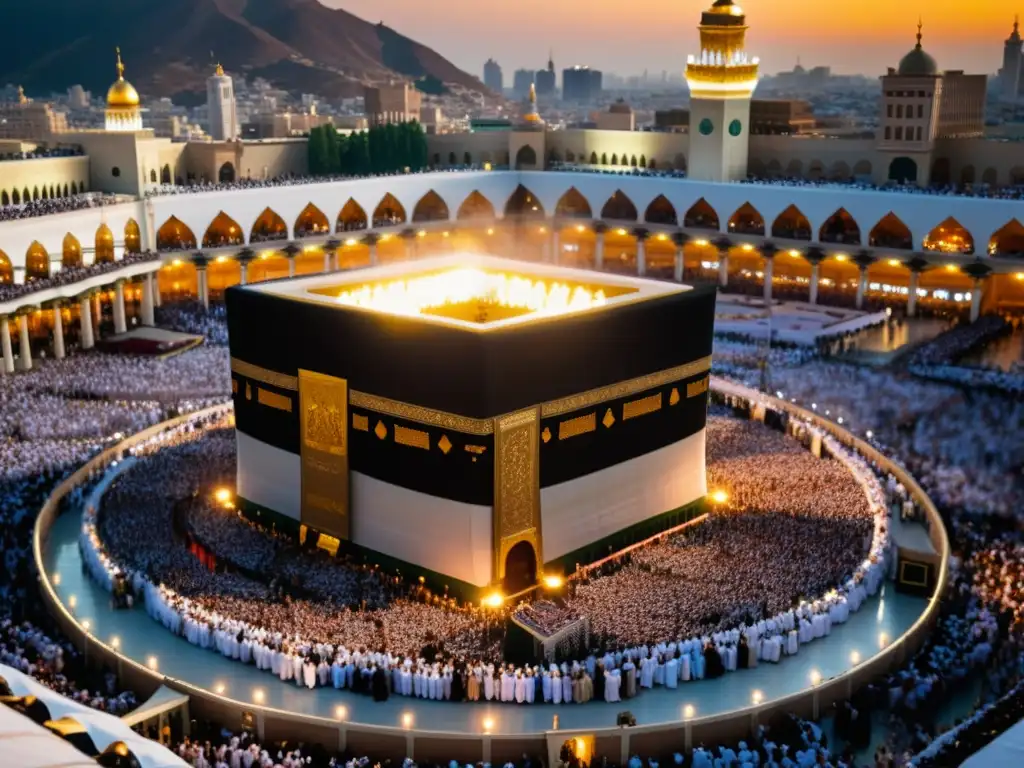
(468, 420)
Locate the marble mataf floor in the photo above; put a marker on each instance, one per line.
(881, 619)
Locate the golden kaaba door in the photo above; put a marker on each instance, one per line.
(516, 487)
(323, 408)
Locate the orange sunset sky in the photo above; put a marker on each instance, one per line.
(628, 36)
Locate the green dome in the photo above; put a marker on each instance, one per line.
(918, 62)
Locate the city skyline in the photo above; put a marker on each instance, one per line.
(657, 35)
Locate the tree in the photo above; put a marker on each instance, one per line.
(643, 161)
(632, 160)
(604, 158)
(593, 158)
(615, 159)
(317, 150)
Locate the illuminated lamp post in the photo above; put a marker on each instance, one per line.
(723, 244)
(679, 239)
(599, 228)
(330, 248)
(291, 252)
(244, 258)
(978, 272)
(863, 260)
(814, 256)
(916, 265)
(641, 234)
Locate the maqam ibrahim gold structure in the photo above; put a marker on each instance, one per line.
(722, 79)
(123, 113)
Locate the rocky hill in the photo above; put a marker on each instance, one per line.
(169, 46)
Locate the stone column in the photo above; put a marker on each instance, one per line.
(862, 286)
(327, 261)
(815, 278)
(677, 271)
(912, 293)
(556, 245)
(599, 251)
(373, 255)
(291, 266)
(148, 317)
(204, 291)
(723, 268)
(769, 263)
(120, 325)
(976, 300)
(85, 313)
(25, 351)
(243, 273)
(641, 256)
(156, 289)
(5, 332)
(334, 260)
(58, 333)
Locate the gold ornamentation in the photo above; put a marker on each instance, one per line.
(641, 407)
(673, 398)
(479, 450)
(578, 426)
(263, 375)
(517, 487)
(248, 391)
(624, 388)
(545, 435)
(360, 422)
(324, 404)
(697, 388)
(609, 419)
(273, 400)
(323, 424)
(414, 438)
(428, 416)
(445, 444)
(380, 430)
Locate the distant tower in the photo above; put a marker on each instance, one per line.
(545, 79)
(1011, 78)
(493, 77)
(220, 106)
(722, 80)
(123, 113)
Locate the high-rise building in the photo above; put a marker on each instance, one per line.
(493, 77)
(30, 120)
(1011, 76)
(220, 106)
(581, 84)
(546, 80)
(78, 97)
(392, 103)
(722, 81)
(521, 82)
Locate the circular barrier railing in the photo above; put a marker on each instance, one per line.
(397, 742)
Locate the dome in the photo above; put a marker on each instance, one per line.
(725, 8)
(122, 94)
(918, 61)
(723, 14)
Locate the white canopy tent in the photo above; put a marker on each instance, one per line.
(27, 745)
(1007, 751)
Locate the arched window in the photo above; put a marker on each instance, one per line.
(352, 217)
(226, 174)
(173, 235)
(524, 203)
(389, 212)
(430, 208)
(573, 205)
(104, 245)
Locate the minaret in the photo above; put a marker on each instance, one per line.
(1011, 76)
(722, 80)
(220, 106)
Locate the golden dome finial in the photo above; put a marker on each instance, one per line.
(120, 64)
(533, 93)
(21, 95)
(219, 71)
(920, 24)
(121, 94)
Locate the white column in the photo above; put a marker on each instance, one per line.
(120, 325)
(334, 259)
(244, 270)
(85, 313)
(768, 265)
(912, 294)
(5, 331)
(723, 268)
(291, 266)
(25, 353)
(677, 272)
(599, 251)
(148, 317)
(204, 291)
(641, 257)
(815, 277)
(327, 261)
(862, 287)
(976, 300)
(373, 254)
(58, 333)
(156, 289)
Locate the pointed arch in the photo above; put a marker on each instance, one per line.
(990, 176)
(16, 197)
(891, 232)
(351, 217)
(522, 202)
(967, 174)
(526, 157)
(747, 220)
(389, 212)
(173, 235)
(791, 224)
(37, 262)
(661, 211)
(311, 221)
(1008, 240)
(226, 174)
(165, 174)
(862, 169)
(6, 270)
(104, 245)
(71, 252)
(774, 169)
(619, 208)
(903, 170)
(840, 171)
(430, 207)
(5, 199)
(269, 227)
(840, 227)
(132, 237)
(573, 205)
(949, 237)
(816, 170)
(475, 206)
(74, 188)
(701, 216)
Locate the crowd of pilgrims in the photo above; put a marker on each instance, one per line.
(46, 207)
(69, 275)
(938, 359)
(322, 621)
(193, 317)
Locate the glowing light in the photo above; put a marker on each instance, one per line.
(407, 720)
(56, 579)
(1019, 275)
(340, 713)
(894, 262)
(841, 257)
(219, 689)
(869, 434)
(350, 242)
(855, 657)
(488, 724)
(580, 227)
(747, 247)
(700, 243)
(815, 677)
(490, 231)
(952, 268)
(115, 642)
(795, 253)
(258, 695)
(663, 237)
(883, 640)
(86, 624)
(757, 697)
(419, 295)
(151, 662)
(176, 263)
(553, 582)
(494, 600)
(421, 233)
(383, 238)
(223, 495)
(445, 234)
(72, 601)
(620, 231)
(220, 259)
(689, 711)
(719, 496)
(542, 230)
